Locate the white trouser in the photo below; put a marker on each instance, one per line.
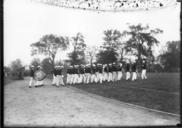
(109, 76)
(75, 78)
(31, 82)
(96, 77)
(79, 80)
(38, 83)
(72, 78)
(105, 76)
(134, 76)
(54, 79)
(114, 76)
(87, 77)
(68, 80)
(128, 75)
(59, 80)
(119, 76)
(92, 78)
(143, 75)
(100, 76)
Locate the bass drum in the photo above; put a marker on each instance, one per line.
(39, 75)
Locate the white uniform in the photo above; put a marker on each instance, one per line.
(31, 82)
(110, 77)
(144, 70)
(128, 75)
(119, 72)
(39, 83)
(134, 75)
(69, 75)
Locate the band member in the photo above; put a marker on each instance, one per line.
(100, 76)
(87, 73)
(119, 71)
(93, 75)
(60, 76)
(96, 73)
(133, 68)
(54, 73)
(105, 72)
(31, 77)
(144, 70)
(76, 73)
(82, 73)
(39, 83)
(73, 75)
(69, 72)
(110, 72)
(128, 75)
(114, 72)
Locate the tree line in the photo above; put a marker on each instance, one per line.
(137, 41)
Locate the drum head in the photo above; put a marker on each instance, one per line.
(39, 75)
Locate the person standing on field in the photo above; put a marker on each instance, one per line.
(133, 68)
(93, 75)
(100, 75)
(110, 69)
(105, 72)
(31, 77)
(54, 73)
(40, 83)
(144, 69)
(128, 75)
(82, 73)
(69, 72)
(60, 76)
(119, 71)
(114, 72)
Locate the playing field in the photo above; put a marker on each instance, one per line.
(161, 91)
(68, 106)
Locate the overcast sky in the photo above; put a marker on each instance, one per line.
(25, 22)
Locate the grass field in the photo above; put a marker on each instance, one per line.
(161, 91)
(7, 80)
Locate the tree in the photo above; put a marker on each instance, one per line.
(105, 56)
(17, 69)
(171, 58)
(49, 45)
(77, 56)
(78, 42)
(113, 42)
(47, 65)
(59, 63)
(91, 53)
(141, 39)
(111, 39)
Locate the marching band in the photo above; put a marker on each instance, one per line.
(96, 73)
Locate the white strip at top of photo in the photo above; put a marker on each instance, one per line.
(111, 5)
